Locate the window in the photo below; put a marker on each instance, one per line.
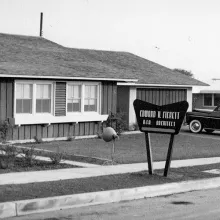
(74, 98)
(211, 99)
(43, 98)
(24, 98)
(216, 99)
(90, 101)
(83, 97)
(47, 102)
(207, 99)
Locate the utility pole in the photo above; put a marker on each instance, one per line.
(41, 24)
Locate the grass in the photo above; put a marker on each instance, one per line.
(131, 148)
(102, 183)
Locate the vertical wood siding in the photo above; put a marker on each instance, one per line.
(123, 100)
(109, 97)
(108, 104)
(161, 96)
(6, 99)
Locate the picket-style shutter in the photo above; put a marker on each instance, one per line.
(60, 99)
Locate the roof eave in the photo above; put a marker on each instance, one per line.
(68, 78)
(155, 85)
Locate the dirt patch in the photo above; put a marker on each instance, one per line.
(21, 166)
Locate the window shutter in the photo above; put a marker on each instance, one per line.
(60, 99)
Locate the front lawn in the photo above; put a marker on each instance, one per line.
(101, 183)
(131, 148)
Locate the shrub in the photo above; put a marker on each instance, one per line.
(38, 140)
(70, 138)
(8, 158)
(135, 127)
(4, 128)
(117, 121)
(56, 157)
(28, 155)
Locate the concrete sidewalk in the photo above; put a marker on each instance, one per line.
(76, 173)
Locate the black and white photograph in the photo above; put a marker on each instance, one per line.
(109, 109)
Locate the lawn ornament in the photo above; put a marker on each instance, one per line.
(109, 134)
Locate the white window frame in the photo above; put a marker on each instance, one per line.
(51, 97)
(15, 101)
(83, 84)
(48, 118)
(33, 117)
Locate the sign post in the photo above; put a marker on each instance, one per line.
(149, 153)
(166, 119)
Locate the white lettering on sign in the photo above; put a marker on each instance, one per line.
(146, 122)
(165, 123)
(171, 115)
(147, 114)
(159, 114)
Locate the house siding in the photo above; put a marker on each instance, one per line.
(198, 102)
(161, 96)
(56, 130)
(123, 100)
(6, 99)
(109, 97)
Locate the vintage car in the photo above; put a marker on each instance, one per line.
(199, 119)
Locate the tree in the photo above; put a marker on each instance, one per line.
(185, 72)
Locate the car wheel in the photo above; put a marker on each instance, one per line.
(195, 126)
(209, 130)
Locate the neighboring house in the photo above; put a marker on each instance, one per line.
(207, 97)
(50, 91)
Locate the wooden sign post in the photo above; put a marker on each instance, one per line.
(166, 119)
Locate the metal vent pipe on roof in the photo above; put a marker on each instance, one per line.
(41, 24)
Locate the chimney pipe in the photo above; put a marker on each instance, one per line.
(41, 24)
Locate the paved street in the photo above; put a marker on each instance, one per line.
(193, 205)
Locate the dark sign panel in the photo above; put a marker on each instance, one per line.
(160, 119)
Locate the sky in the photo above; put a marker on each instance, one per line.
(181, 34)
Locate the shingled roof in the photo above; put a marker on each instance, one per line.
(36, 56)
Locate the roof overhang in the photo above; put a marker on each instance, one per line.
(68, 78)
(210, 91)
(154, 85)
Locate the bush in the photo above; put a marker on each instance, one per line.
(135, 127)
(117, 121)
(38, 140)
(28, 155)
(4, 128)
(70, 138)
(7, 159)
(56, 157)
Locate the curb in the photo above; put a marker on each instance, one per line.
(25, 207)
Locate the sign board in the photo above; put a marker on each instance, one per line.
(160, 119)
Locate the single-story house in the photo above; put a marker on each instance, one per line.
(50, 91)
(207, 97)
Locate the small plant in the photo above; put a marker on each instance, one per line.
(135, 127)
(4, 128)
(28, 155)
(56, 157)
(70, 138)
(99, 135)
(7, 159)
(117, 121)
(38, 140)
